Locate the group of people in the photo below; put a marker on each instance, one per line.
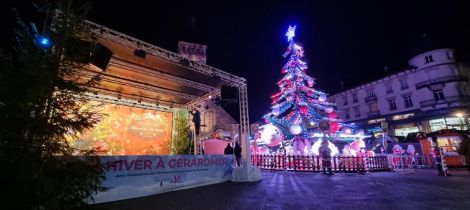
(237, 151)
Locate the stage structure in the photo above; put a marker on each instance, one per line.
(141, 75)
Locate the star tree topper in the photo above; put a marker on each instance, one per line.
(290, 33)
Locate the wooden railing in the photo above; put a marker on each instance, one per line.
(313, 163)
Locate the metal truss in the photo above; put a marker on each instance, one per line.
(108, 34)
(159, 74)
(105, 33)
(137, 84)
(126, 102)
(243, 105)
(202, 99)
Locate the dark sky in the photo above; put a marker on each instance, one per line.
(348, 41)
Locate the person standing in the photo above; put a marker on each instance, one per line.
(437, 153)
(228, 150)
(465, 150)
(196, 120)
(325, 153)
(238, 153)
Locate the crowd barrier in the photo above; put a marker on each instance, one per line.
(313, 163)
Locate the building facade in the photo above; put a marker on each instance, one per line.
(433, 94)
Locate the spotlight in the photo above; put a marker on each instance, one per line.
(140, 53)
(43, 41)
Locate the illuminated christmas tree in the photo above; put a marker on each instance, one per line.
(298, 109)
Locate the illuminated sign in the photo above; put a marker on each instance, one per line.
(375, 120)
(403, 116)
(125, 130)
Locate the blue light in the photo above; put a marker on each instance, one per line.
(43, 41)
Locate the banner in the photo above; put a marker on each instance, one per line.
(125, 130)
(193, 52)
(137, 176)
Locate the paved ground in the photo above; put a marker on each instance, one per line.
(289, 190)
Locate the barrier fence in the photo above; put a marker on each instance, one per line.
(346, 164)
(313, 163)
(408, 161)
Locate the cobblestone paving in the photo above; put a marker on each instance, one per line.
(289, 190)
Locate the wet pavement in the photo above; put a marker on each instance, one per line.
(289, 190)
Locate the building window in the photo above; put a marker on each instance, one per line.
(391, 104)
(357, 112)
(345, 100)
(373, 108)
(428, 59)
(408, 101)
(346, 114)
(437, 124)
(388, 88)
(462, 90)
(354, 97)
(457, 123)
(447, 123)
(438, 95)
(403, 84)
(370, 92)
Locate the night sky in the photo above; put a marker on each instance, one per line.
(347, 41)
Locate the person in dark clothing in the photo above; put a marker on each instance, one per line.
(325, 153)
(465, 150)
(196, 120)
(238, 153)
(228, 150)
(437, 152)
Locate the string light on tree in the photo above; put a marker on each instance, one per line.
(298, 108)
(295, 129)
